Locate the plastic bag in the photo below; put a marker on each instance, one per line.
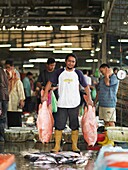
(89, 125)
(93, 94)
(54, 103)
(97, 74)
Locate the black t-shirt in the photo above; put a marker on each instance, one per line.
(44, 77)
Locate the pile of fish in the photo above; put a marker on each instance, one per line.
(65, 157)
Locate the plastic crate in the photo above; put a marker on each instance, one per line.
(7, 162)
(116, 165)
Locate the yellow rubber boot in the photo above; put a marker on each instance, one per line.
(105, 140)
(110, 142)
(74, 138)
(58, 136)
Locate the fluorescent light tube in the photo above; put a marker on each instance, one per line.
(38, 60)
(103, 13)
(32, 60)
(36, 28)
(28, 65)
(43, 49)
(109, 52)
(60, 60)
(92, 54)
(100, 40)
(43, 43)
(19, 49)
(79, 49)
(97, 49)
(5, 45)
(41, 60)
(101, 20)
(15, 29)
(125, 23)
(122, 40)
(71, 27)
(62, 51)
(60, 44)
(89, 60)
(87, 29)
(92, 51)
(112, 47)
(44, 60)
(95, 60)
(111, 60)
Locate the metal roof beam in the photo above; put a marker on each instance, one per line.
(53, 18)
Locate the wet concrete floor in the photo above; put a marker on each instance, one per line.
(30, 146)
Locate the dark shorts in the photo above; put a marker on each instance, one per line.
(63, 114)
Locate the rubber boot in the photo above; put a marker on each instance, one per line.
(58, 136)
(106, 141)
(74, 138)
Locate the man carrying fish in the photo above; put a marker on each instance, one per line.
(68, 80)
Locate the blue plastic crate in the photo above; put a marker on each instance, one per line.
(12, 167)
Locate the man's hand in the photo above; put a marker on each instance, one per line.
(44, 93)
(90, 102)
(95, 103)
(44, 98)
(109, 72)
(21, 104)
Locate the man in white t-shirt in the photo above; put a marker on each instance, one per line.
(68, 80)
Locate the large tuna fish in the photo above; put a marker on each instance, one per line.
(89, 125)
(45, 122)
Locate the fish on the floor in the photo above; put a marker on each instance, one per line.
(65, 157)
(47, 158)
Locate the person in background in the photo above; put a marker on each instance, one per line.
(4, 98)
(47, 73)
(106, 95)
(87, 78)
(115, 70)
(82, 91)
(27, 88)
(68, 80)
(94, 84)
(10, 66)
(16, 99)
(94, 80)
(44, 77)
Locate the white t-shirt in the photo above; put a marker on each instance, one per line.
(68, 88)
(88, 80)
